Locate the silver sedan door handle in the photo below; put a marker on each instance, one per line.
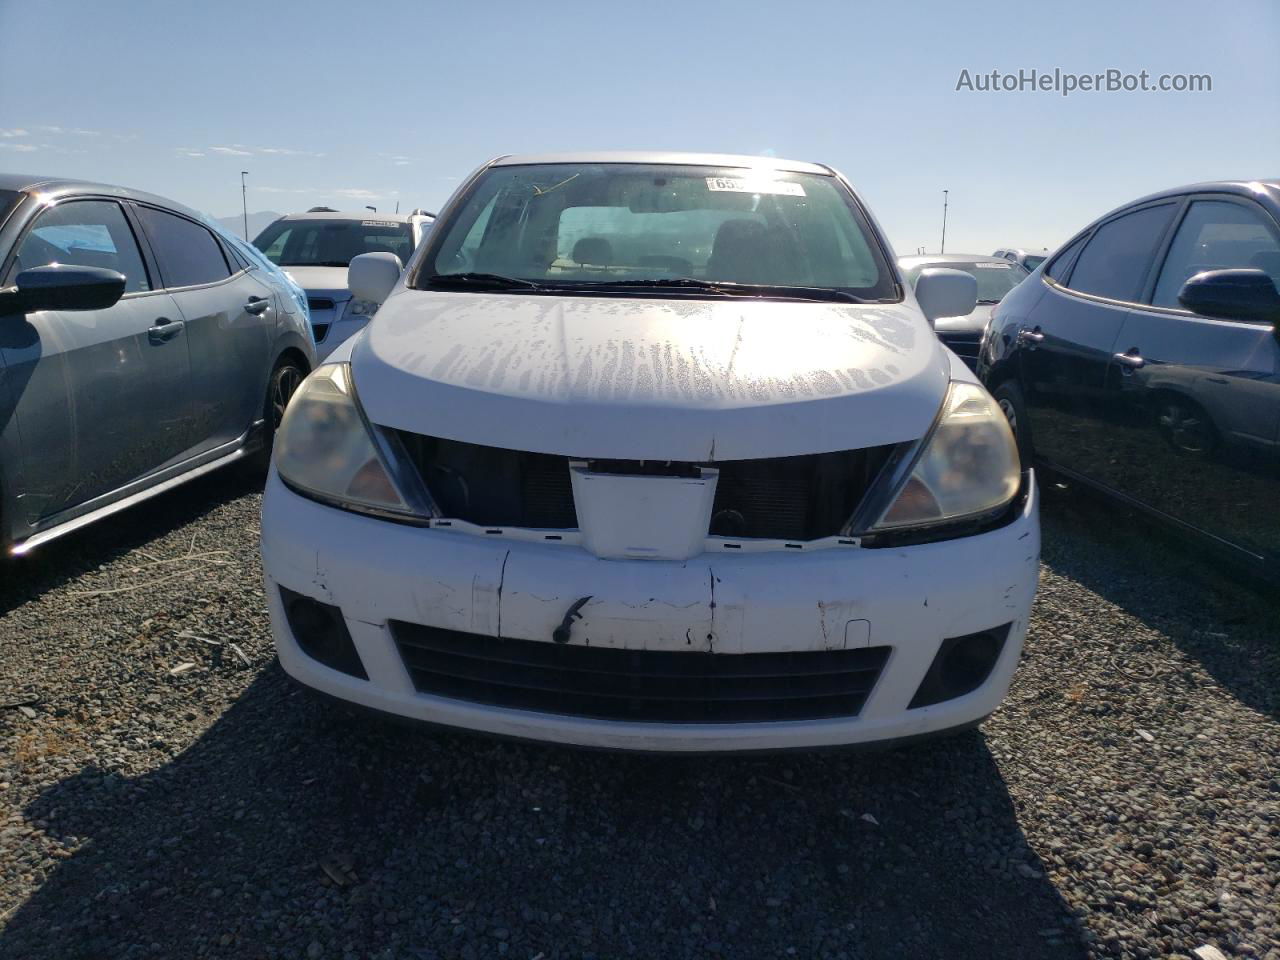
(257, 305)
(164, 330)
(1131, 359)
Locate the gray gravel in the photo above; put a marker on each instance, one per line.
(1125, 802)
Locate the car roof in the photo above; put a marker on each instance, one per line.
(1266, 190)
(667, 158)
(54, 187)
(918, 258)
(352, 215)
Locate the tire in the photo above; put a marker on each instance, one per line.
(286, 376)
(1008, 396)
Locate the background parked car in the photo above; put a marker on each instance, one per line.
(138, 349)
(995, 277)
(315, 248)
(1144, 360)
(1027, 258)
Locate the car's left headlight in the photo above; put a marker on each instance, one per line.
(968, 467)
(327, 450)
(362, 308)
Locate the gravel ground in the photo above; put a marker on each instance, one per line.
(1125, 802)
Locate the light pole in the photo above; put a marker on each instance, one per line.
(943, 248)
(244, 204)
(374, 209)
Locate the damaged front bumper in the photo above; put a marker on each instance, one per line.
(791, 649)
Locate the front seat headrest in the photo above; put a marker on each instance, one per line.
(596, 251)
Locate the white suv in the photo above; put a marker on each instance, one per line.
(655, 452)
(315, 248)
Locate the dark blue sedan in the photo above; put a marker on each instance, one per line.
(1142, 359)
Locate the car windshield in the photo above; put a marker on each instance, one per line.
(332, 243)
(995, 277)
(704, 231)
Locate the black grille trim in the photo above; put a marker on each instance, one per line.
(638, 685)
(963, 345)
(319, 303)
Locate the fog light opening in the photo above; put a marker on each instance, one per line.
(961, 665)
(321, 631)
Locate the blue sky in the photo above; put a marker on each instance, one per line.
(350, 103)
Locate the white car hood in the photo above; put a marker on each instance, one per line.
(653, 379)
(330, 280)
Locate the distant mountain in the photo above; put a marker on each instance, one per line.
(257, 222)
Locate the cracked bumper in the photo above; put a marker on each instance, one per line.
(908, 599)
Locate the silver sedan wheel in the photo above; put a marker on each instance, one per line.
(283, 384)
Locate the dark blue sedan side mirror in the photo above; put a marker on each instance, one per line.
(1245, 294)
(62, 287)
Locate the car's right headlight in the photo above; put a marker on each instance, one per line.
(969, 466)
(325, 449)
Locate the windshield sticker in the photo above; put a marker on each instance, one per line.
(378, 223)
(994, 266)
(784, 188)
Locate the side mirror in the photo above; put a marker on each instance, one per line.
(62, 287)
(1245, 294)
(942, 292)
(372, 276)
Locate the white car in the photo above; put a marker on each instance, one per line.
(1030, 259)
(995, 277)
(315, 247)
(657, 452)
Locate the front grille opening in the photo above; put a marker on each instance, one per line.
(783, 498)
(638, 685)
(320, 330)
(493, 487)
(319, 303)
(793, 498)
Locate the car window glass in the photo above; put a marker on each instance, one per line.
(1062, 262)
(234, 257)
(275, 247)
(471, 243)
(1217, 235)
(188, 253)
(618, 223)
(85, 233)
(1114, 262)
(333, 243)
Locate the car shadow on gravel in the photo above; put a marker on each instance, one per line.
(295, 828)
(1214, 612)
(83, 551)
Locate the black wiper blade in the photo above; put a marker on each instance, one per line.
(724, 288)
(989, 301)
(480, 281)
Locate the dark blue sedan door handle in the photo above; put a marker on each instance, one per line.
(1130, 360)
(164, 330)
(257, 305)
(1031, 337)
